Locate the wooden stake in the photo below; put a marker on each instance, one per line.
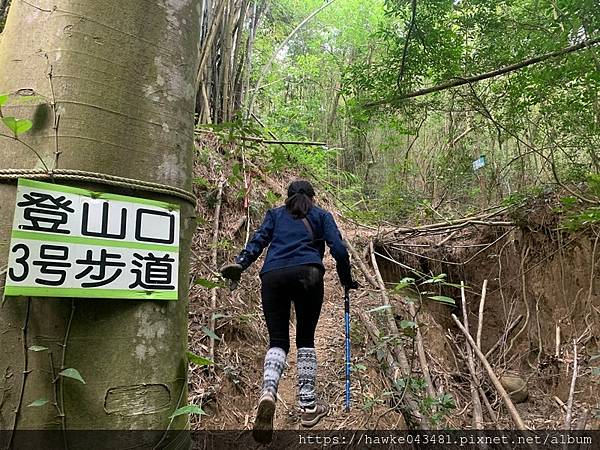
(496, 382)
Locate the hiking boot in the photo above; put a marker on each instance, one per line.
(263, 425)
(311, 416)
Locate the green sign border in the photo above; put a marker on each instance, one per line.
(35, 291)
(102, 195)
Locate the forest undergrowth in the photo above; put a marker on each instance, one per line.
(410, 363)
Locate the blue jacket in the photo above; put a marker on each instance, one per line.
(291, 244)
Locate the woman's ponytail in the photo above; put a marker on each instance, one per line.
(300, 198)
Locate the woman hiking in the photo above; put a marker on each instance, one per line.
(293, 271)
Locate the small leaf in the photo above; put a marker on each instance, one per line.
(3, 99)
(37, 348)
(380, 308)
(23, 125)
(189, 409)
(407, 324)
(198, 360)
(595, 371)
(210, 334)
(443, 299)
(594, 358)
(207, 283)
(72, 373)
(38, 402)
(17, 126)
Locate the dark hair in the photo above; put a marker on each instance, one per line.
(300, 198)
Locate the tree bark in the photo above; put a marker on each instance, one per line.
(122, 87)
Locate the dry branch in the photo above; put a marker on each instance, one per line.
(276, 141)
(393, 372)
(398, 350)
(477, 411)
(514, 414)
(504, 336)
(361, 265)
(481, 308)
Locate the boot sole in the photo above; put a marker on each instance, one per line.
(313, 422)
(263, 425)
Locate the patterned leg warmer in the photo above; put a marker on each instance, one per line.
(274, 364)
(307, 374)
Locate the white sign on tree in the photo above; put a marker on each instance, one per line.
(70, 242)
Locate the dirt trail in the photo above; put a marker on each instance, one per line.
(329, 344)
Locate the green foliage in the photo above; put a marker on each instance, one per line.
(211, 334)
(72, 373)
(209, 284)
(437, 408)
(188, 409)
(17, 126)
(3, 99)
(412, 160)
(37, 403)
(198, 360)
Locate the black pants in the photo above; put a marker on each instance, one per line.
(302, 285)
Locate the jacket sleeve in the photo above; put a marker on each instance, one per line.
(338, 250)
(261, 238)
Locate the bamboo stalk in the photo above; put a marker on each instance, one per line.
(514, 414)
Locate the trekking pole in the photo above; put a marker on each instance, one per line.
(347, 326)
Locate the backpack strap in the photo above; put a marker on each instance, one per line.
(309, 229)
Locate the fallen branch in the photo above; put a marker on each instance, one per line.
(398, 350)
(393, 372)
(361, 265)
(477, 412)
(496, 382)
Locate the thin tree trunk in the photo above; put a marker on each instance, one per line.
(267, 66)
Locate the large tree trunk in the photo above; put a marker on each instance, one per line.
(123, 85)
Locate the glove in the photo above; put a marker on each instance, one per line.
(352, 285)
(233, 273)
